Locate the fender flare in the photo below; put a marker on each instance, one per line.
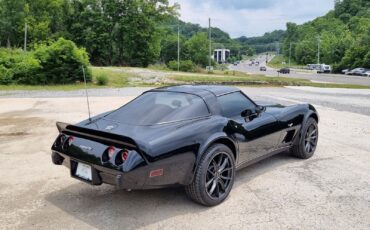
(212, 139)
(311, 112)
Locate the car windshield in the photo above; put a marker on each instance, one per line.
(160, 107)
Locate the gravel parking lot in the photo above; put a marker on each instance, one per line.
(329, 191)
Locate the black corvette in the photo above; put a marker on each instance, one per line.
(192, 136)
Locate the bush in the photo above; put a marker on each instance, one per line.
(173, 65)
(62, 62)
(185, 66)
(18, 66)
(59, 62)
(102, 79)
(5, 76)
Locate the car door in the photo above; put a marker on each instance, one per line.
(257, 134)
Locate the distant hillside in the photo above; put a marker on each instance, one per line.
(265, 43)
(189, 29)
(220, 39)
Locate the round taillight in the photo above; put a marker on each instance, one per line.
(124, 155)
(70, 140)
(121, 157)
(111, 151)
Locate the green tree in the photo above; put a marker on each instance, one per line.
(197, 49)
(11, 22)
(120, 32)
(343, 37)
(169, 47)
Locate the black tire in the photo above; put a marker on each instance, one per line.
(217, 168)
(308, 141)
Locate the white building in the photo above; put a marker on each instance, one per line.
(221, 55)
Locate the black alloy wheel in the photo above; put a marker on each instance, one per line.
(219, 175)
(310, 140)
(306, 146)
(214, 176)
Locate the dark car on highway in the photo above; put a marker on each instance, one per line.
(191, 136)
(263, 68)
(284, 71)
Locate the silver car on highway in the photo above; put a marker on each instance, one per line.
(366, 73)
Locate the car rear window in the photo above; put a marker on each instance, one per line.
(160, 107)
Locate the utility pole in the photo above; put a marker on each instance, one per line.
(25, 37)
(267, 58)
(277, 48)
(178, 47)
(318, 49)
(210, 43)
(290, 52)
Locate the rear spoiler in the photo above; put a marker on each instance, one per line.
(109, 138)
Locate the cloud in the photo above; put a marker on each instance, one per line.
(252, 17)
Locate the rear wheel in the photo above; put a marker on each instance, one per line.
(214, 176)
(308, 141)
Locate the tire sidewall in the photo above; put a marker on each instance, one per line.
(209, 155)
(309, 122)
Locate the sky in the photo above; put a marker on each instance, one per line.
(251, 17)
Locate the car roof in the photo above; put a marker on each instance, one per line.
(200, 90)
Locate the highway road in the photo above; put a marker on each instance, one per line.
(304, 74)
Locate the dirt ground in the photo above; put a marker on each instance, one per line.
(329, 191)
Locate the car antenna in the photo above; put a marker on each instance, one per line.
(87, 95)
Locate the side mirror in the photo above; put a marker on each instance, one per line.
(259, 109)
(250, 114)
(247, 113)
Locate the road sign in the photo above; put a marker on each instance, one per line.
(209, 68)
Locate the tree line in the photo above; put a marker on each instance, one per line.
(269, 42)
(113, 32)
(342, 35)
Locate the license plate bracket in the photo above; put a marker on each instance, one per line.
(82, 171)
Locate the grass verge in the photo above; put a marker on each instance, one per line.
(120, 77)
(259, 80)
(277, 61)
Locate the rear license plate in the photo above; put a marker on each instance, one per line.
(83, 171)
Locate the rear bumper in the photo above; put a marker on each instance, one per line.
(177, 170)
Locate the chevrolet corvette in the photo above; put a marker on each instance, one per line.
(195, 136)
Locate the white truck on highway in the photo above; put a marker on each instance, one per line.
(320, 68)
(324, 69)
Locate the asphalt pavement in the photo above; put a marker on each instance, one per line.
(246, 67)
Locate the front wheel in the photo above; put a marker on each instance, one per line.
(214, 176)
(308, 141)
